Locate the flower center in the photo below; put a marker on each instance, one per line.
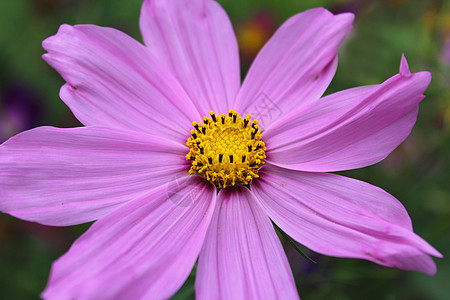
(226, 149)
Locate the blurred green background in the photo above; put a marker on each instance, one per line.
(417, 172)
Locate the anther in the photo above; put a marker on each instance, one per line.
(210, 160)
(196, 127)
(243, 158)
(220, 157)
(192, 158)
(223, 119)
(250, 148)
(201, 150)
(246, 123)
(252, 164)
(203, 130)
(234, 118)
(213, 116)
(231, 158)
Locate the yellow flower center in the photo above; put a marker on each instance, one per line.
(226, 149)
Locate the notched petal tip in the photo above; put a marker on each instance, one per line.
(46, 57)
(348, 17)
(423, 78)
(404, 67)
(436, 253)
(47, 43)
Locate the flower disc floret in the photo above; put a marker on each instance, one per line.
(226, 149)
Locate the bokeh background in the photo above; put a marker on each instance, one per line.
(417, 172)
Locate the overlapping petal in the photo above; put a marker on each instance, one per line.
(195, 40)
(295, 66)
(114, 81)
(143, 250)
(343, 217)
(349, 129)
(242, 257)
(69, 176)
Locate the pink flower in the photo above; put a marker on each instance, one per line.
(128, 168)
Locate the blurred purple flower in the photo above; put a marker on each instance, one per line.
(446, 51)
(19, 110)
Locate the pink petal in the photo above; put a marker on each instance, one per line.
(69, 176)
(404, 67)
(295, 66)
(349, 129)
(242, 257)
(343, 217)
(143, 250)
(113, 80)
(195, 40)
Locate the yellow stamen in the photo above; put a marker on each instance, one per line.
(226, 149)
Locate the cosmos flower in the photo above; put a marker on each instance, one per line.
(173, 168)
(19, 109)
